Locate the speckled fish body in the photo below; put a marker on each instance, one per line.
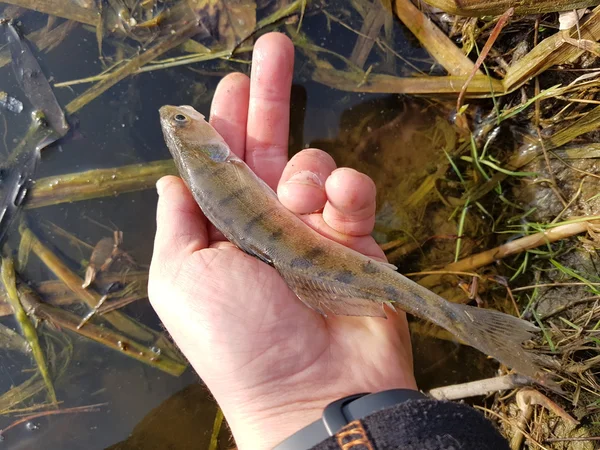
(327, 276)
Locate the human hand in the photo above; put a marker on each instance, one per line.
(271, 363)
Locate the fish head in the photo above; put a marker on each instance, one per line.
(190, 138)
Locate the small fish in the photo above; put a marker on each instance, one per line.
(327, 276)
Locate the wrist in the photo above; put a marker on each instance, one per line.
(346, 412)
(262, 428)
(266, 421)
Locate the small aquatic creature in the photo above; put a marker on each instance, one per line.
(104, 254)
(327, 276)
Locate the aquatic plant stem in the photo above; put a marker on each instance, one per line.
(512, 248)
(478, 8)
(76, 409)
(9, 282)
(552, 51)
(481, 85)
(214, 437)
(97, 183)
(439, 46)
(102, 335)
(56, 293)
(61, 8)
(162, 64)
(11, 340)
(502, 21)
(184, 32)
(480, 387)
(90, 297)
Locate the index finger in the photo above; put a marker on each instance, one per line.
(269, 109)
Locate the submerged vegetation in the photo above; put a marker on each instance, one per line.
(483, 144)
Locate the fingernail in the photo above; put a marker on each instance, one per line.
(305, 177)
(160, 184)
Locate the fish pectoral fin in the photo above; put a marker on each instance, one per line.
(257, 253)
(332, 298)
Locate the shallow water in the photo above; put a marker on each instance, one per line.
(121, 127)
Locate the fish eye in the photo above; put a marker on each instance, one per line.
(180, 118)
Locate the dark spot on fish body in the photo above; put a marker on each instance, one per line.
(451, 314)
(228, 221)
(314, 253)
(199, 172)
(369, 268)
(219, 170)
(277, 234)
(256, 220)
(234, 195)
(345, 276)
(392, 292)
(300, 263)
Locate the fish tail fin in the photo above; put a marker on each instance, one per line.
(498, 335)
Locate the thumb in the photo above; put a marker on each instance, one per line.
(180, 225)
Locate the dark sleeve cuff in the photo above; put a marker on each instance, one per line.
(419, 425)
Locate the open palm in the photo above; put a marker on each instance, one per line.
(271, 362)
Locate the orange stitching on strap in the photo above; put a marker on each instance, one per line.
(353, 437)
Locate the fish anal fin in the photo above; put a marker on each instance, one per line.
(345, 306)
(332, 298)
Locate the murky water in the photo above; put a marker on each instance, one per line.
(121, 127)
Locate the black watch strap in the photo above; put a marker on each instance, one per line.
(341, 412)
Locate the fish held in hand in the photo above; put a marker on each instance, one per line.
(327, 276)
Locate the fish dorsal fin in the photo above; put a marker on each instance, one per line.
(327, 297)
(385, 264)
(373, 265)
